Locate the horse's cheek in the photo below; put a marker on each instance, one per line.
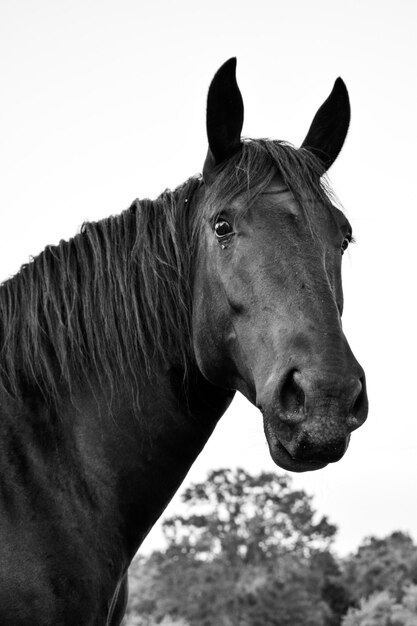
(210, 331)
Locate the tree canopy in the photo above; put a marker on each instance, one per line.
(387, 564)
(241, 552)
(381, 609)
(246, 518)
(250, 550)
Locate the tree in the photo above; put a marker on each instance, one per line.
(334, 589)
(247, 518)
(246, 551)
(380, 609)
(405, 614)
(387, 564)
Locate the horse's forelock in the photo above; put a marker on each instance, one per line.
(252, 170)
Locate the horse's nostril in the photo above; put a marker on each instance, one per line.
(359, 406)
(358, 400)
(292, 395)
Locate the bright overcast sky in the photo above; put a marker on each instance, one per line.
(102, 102)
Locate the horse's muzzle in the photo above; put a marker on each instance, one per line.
(308, 419)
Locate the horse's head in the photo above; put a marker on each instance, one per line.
(267, 288)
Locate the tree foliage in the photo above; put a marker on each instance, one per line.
(241, 553)
(251, 551)
(387, 564)
(381, 609)
(247, 518)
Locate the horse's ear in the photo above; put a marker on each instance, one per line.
(329, 127)
(224, 116)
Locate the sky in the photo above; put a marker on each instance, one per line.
(102, 102)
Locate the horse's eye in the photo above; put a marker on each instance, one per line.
(346, 242)
(222, 228)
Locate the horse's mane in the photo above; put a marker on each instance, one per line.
(116, 298)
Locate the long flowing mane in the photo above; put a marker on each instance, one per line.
(117, 297)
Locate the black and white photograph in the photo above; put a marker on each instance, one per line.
(208, 313)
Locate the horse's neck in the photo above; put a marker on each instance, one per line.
(147, 452)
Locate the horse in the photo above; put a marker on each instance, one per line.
(122, 348)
